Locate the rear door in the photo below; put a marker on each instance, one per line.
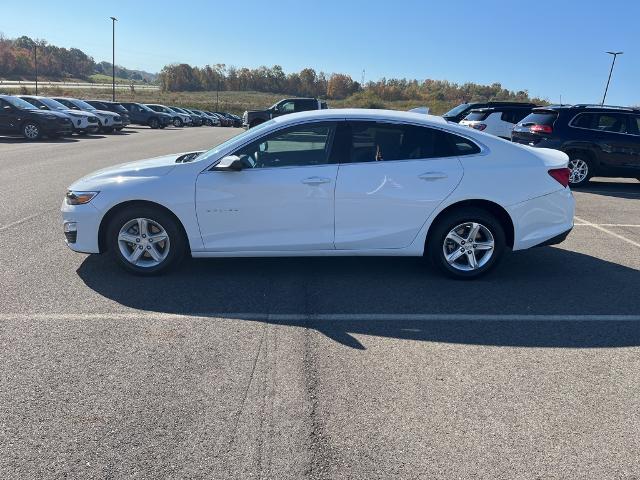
(616, 139)
(391, 178)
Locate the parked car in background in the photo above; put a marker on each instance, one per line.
(20, 117)
(178, 119)
(109, 121)
(114, 107)
(209, 120)
(200, 118)
(196, 120)
(142, 115)
(498, 121)
(237, 121)
(343, 182)
(83, 122)
(184, 116)
(601, 141)
(251, 118)
(458, 113)
(224, 121)
(424, 110)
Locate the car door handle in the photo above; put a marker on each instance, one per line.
(432, 176)
(315, 180)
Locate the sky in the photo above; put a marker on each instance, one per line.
(554, 49)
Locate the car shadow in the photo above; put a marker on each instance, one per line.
(44, 140)
(307, 292)
(629, 190)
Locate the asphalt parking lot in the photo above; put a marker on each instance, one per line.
(310, 368)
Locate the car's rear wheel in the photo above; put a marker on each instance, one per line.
(145, 240)
(466, 243)
(154, 123)
(177, 122)
(581, 170)
(31, 131)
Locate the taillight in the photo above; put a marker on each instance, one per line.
(479, 126)
(541, 129)
(561, 175)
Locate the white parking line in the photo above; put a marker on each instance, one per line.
(607, 225)
(270, 317)
(613, 234)
(25, 219)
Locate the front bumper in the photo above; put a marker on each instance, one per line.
(84, 238)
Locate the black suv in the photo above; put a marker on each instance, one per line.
(114, 107)
(458, 113)
(20, 117)
(251, 118)
(600, 140)
(142, 115)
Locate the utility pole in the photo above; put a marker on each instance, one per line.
(35, 63)
(113, 58)
(615, 55)
(218, 96)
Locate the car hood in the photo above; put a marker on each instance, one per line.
(105, 113)
(49, 112)
(151, 167)
(79, 113)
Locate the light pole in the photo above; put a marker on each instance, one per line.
(35, 63)
(113, 58)
(615, 54)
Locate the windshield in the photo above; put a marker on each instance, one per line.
(237, 138)
(477, 116)
(52, 104)
(457, 110)
(84, 105)
(19, 103)
(179, 110)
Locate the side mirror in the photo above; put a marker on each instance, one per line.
(230, 163)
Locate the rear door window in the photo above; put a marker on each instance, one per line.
(379, 141)
(611, 122)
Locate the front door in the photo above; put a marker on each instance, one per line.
(283, 200)
(7, 117)
(391, 178)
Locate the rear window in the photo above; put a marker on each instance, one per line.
(540, 118)
(477, 116)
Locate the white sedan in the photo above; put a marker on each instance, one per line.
(329, 182)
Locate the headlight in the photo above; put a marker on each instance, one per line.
(79, 198)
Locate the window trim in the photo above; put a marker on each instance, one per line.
(484, 150)
(330, 140)
(570, 124)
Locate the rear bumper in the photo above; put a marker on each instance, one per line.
(542, 219)
(555, 240)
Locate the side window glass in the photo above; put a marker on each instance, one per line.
(612, 123)
(634, 125)
(299, 146)
(462, 146)
(374, 142)
(584, 120)
(287, 107)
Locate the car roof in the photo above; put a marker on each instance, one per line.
(362, 114)
(590, 107)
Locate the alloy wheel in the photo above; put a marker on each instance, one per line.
(468, 246)
(143, 242)
(579, 170)
(31, 131)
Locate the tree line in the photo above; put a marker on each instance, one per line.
(336, 86)
(18, 59)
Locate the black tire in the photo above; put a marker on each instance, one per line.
(176, 241)
(162, 126)
(119, 129)
(435, 248)
(82, 132)
(107, 129)
(154, 123)
(31, 131)
(177, 122)
(578, 161)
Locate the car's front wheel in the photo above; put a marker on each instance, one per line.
(145, 240)
(154, 123)
(177, 122)
(466, 243)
